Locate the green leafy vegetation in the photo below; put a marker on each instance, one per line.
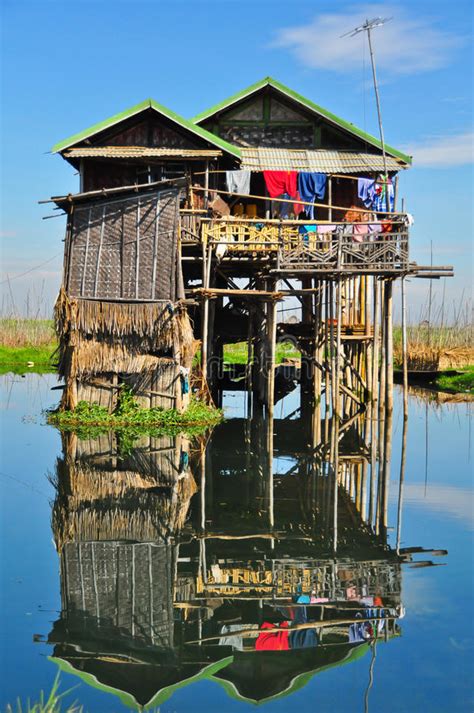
(130, 420)
(52, 704)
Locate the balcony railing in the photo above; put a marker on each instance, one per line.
(294, 245)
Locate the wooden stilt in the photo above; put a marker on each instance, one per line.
(404, 351)
(270, 362)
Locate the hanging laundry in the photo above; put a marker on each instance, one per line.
(303, 639)
(311, 186)
(384, 195)
(229, 639)
(275, 641)
(324, 229)
(278, 182)
(373, 193)
(238, 182)
(360, 232)
(366, 191)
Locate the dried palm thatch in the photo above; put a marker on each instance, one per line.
(146, 343)
(94, 335)
(114, 511)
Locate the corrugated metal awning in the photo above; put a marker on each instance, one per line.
(125, 152)
(319, 160)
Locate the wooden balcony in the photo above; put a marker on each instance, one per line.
(313, 246)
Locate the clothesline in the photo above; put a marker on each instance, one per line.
(295, 200)
(329, 175)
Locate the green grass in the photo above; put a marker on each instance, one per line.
(24, 341)
(16, 359)
(462, 382)
(237, 353)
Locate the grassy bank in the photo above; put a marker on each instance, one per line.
(26, 345)
(237, 353)
(462, 382)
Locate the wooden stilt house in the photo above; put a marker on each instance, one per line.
(281, 199)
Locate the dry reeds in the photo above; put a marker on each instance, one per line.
(23, 332)
(115, 337)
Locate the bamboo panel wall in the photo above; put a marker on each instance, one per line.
(124, 249)
(121, 590)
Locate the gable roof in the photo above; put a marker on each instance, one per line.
(137, 109)
(307, 104)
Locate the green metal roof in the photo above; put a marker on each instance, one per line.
(147, 104)
(308, 104)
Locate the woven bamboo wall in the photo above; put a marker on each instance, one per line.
(126, 588)
(124, 249)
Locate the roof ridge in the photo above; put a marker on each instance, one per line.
(309, 104)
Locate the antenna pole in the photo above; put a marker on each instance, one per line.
(367, 27)
(377, 100)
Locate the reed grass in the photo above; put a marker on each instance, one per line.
(51, 704)
(23, 332)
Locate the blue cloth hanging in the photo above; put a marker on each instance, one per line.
(310, 187)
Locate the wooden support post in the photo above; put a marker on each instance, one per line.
(330, 197)
(317, 360)
(327, 357)
(206, 185)
(404, 351)
(389, 344)
(401, 482)
(270, 362)
(306, 319)
(204, 313)
(338, 351)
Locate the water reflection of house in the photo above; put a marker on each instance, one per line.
(158, 578)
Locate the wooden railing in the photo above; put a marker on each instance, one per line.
(312, 245)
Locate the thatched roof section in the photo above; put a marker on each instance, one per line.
(100, 508)
(112, 337)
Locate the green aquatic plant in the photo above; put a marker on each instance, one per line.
(130, 420)
(51, 704)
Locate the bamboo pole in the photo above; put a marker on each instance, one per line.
(389, 345)
(300, 202)
(401, 483)
(404, 351)
(271, 337)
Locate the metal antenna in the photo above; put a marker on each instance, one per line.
(367, 27)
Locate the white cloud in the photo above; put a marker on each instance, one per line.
(444, 151)
(406, 44)
(447, 500)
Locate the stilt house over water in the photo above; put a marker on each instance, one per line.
(205, 225)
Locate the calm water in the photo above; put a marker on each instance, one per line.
(114, 601)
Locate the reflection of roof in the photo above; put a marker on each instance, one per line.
(137, 109)
(304, 102)
(139, 152)
(162, 695)
(264, 676)
(255, 677)
(322, 160)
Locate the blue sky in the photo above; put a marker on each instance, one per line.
(69, 64)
